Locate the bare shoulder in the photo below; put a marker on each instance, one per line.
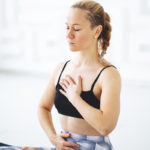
(47, 98)
(112, 76)
(110, 72)
(54, 74)
(57, 71)
(105, 62)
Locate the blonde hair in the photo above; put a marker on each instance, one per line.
(97, 16)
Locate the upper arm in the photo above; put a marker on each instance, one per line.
(47, 98)
(110, 97)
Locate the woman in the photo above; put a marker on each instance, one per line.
(85, 89)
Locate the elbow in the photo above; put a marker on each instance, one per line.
(41, 110)
(106, 128)
(105, 131)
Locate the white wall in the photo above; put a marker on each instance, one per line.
(33, 35)
(32, 40)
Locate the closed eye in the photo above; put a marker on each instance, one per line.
(74, 29)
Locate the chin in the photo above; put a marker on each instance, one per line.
(73, 50)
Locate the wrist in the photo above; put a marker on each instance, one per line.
(52, 136)
(75, 99)
(52, 139)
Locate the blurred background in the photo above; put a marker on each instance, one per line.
(32, 43)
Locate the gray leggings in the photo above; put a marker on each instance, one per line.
(85, 142)
(90, 142)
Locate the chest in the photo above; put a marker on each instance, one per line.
(88, 79)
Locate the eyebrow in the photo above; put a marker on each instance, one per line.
(73, 24)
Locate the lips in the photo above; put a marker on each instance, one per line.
(71, 43)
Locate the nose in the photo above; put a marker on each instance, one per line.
(70, 34)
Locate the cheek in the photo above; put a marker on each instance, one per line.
(83, 38)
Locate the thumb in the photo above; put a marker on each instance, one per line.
(80, 81)
(65, 135)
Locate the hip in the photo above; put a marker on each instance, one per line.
(87, 142)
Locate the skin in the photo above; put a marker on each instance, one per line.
(78, 76)
(29, 148)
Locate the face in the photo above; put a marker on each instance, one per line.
(79, 34)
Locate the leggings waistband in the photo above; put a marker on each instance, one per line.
(96, 139)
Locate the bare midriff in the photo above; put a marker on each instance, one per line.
(77, 125)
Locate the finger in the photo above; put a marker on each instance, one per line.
(67, 148)
(70, 79)
(61, 91)
(65, 81)
(65, 135)
(71, 144)
(29, 148)
(79, 79)
(63, 86)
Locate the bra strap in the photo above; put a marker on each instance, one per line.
(99, 75)
(62, 70)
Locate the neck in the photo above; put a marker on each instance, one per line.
(86, 58)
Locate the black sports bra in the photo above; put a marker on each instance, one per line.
(64, 106)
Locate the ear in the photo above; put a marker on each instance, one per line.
(98, 30)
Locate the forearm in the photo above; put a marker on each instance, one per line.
(45, 119)
(93, 116)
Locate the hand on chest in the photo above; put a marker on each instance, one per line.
(89, 80)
